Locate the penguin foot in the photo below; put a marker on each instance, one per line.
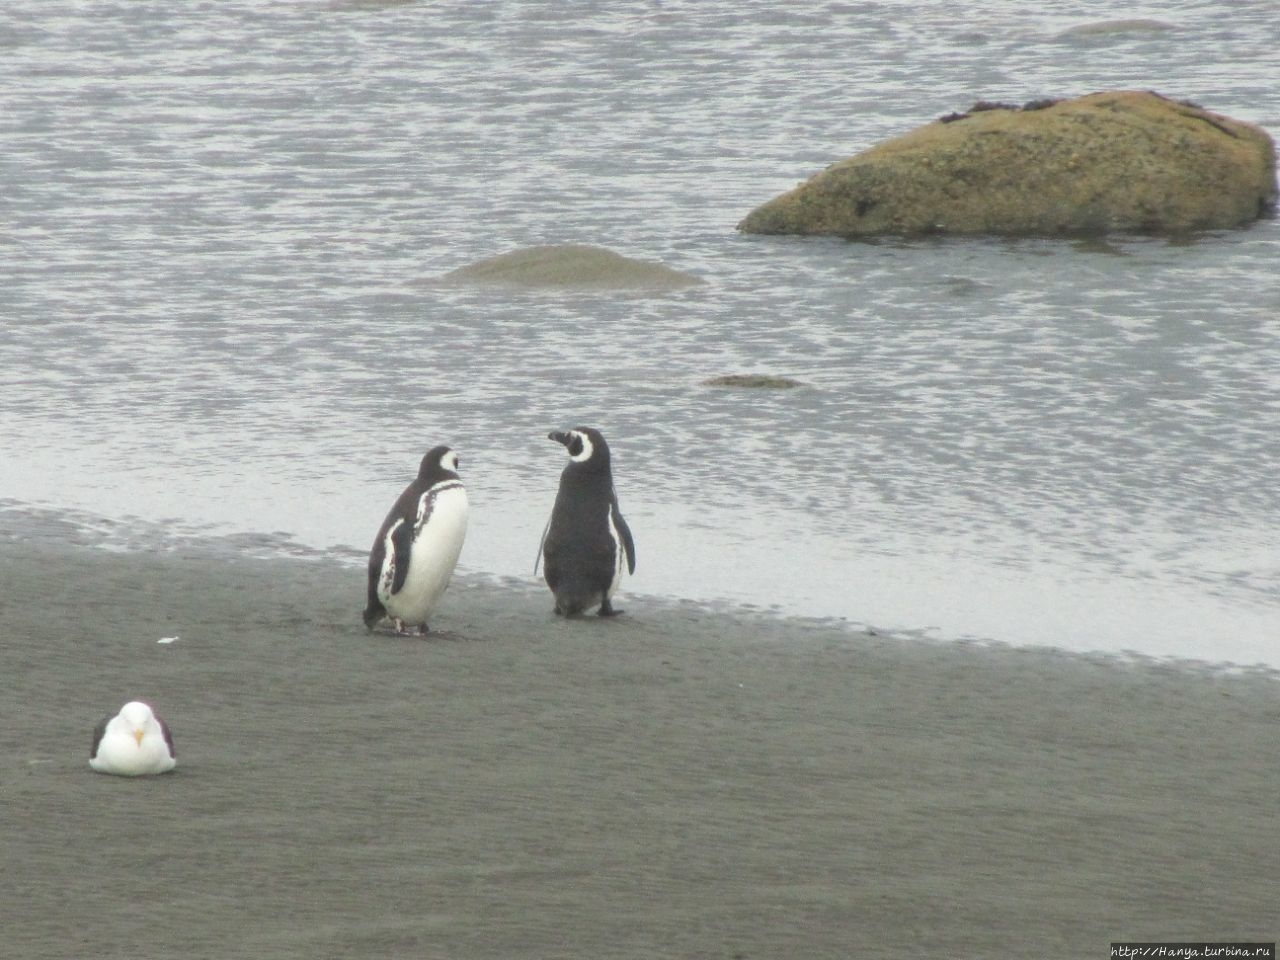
(606, 609)
(401, 629)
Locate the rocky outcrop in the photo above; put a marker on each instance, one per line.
(1122, 162)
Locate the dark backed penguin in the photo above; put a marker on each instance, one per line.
(417, 546)
(133, 743)
(587, 543)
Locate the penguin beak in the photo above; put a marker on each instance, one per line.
(137, 735)
(559, 437)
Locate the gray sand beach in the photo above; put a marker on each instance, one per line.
(676, 782)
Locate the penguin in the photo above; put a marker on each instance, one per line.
(586, 543)
(133, 743)
(417, 546)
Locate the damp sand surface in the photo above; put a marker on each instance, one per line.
(676, 782)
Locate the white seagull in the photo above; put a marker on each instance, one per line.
(133, 743)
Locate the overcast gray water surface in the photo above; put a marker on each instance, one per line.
(221, 220)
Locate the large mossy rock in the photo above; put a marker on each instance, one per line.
(1126, 162)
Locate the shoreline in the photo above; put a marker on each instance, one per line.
(680, 781)
(1078, 616)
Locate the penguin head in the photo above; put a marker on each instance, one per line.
(439, 463)
(586, 446)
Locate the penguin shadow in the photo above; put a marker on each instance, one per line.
(431, 636)
(616, 619)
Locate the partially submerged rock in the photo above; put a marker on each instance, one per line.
(571, 265)
(1104, 28)
(1128, 162)
(756, 381)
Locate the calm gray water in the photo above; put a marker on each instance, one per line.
(221, 220)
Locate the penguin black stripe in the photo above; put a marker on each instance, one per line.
(427, 502)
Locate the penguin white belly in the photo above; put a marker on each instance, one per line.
(432, 557)
(619, 559)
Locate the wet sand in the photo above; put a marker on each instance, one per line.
(678, 782)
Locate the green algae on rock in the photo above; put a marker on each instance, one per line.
(1117, 162)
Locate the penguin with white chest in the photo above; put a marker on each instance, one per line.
(417, 546)
(587, 544)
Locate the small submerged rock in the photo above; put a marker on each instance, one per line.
(572, 266)
(345, 5)
(754, 381)
(1108, 27)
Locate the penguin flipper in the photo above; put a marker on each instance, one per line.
(401, 546)
(541, 546)
(628, 544)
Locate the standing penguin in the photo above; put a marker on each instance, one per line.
(586, 543)
(418, 544)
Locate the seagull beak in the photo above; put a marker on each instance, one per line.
(137, 735)
(559, 437)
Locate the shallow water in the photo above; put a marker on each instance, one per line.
(222, 223)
